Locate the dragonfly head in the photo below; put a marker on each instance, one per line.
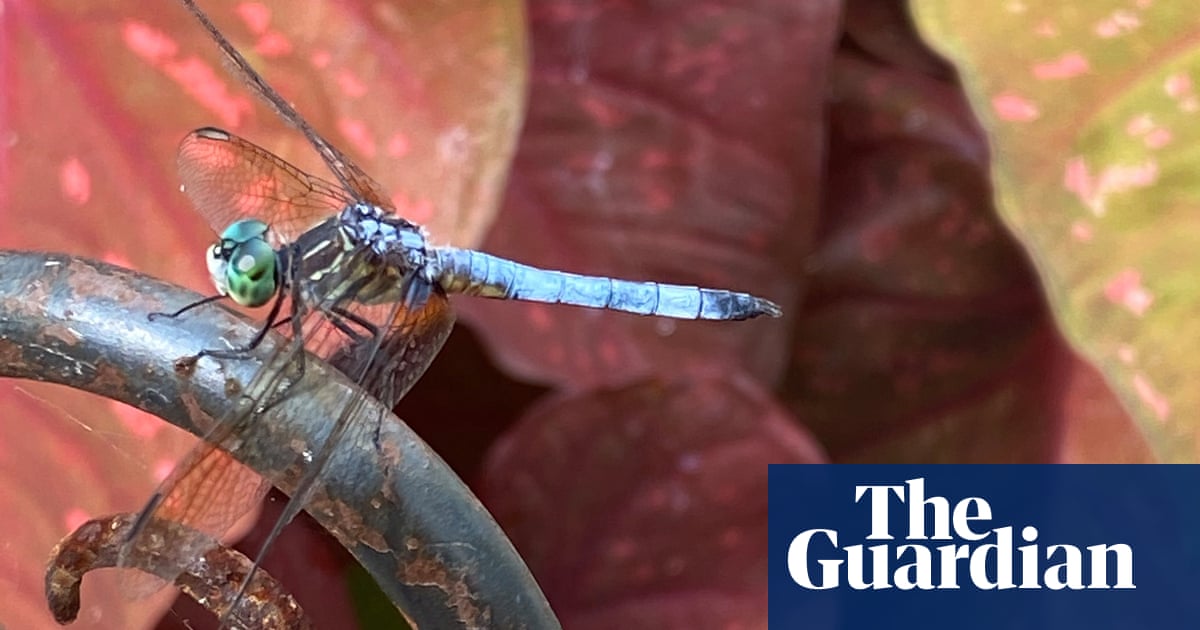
(242, 264)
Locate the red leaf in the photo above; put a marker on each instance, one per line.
(98, 96)
(677, 142)
(646, 506)
(685, 142)
(925, 335)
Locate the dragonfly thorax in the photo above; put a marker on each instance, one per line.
(363, 254)
(243, 265)
(399, 242)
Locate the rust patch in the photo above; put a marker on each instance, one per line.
(201, 567)
(39, 291)
(110, 379)
(62, 333)
(186, 366)
(118, 283)
(351, 522)
(391, 456)
(196, 414)
(426, 569)
(233, 388)
(11, 353)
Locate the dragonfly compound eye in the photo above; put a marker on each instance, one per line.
(250, 273)
(244, 231)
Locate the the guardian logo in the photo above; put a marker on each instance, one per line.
(948, 546)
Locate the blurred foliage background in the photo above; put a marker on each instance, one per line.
(975, 217)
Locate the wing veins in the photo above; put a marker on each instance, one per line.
(347, 172)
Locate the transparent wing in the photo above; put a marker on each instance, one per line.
(209, 491)
(212, 492)
(229, 178)
(347, 172)
(412, 337)
(386, 365)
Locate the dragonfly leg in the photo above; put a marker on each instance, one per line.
(336, 313)
(341, 318)
(296, 343)
(142, 519)
(201, 302)
(344, 328)
(371, 329)
(296, 319)
(416, 294)
(279, 394)
(244, 351)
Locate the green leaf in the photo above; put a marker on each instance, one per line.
(1091, 111)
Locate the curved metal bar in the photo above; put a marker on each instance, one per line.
(411, 522)
(209, 575)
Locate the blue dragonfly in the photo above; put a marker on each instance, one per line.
(348, 279)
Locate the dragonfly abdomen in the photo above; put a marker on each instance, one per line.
(475, 273)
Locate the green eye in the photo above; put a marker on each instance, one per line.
(250, 273)
(244, 231)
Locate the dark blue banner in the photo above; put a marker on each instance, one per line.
(984, 547)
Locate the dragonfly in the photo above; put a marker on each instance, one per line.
(347, 278)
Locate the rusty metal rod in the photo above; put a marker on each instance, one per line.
(389, 499)
(204, 575)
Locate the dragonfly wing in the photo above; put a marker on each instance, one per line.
(413, 334)
(207, 491)
(385, 361)
(348, 173)
(229, 178)
(363, 185)
(212, 492)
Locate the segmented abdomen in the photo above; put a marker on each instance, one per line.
(476, 273)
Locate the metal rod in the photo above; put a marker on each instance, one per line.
(394, 504)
